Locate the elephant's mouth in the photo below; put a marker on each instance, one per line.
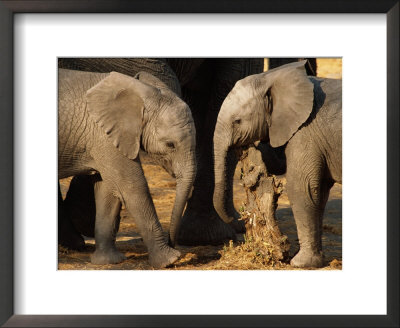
(160, 160)
(243, 139)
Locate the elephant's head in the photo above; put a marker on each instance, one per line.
(267, 106)
(142, 113)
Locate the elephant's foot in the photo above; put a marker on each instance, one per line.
(238, 225)
(108, 256)
(68, 237)
(206, 229)
(163, 257)
(307, 259)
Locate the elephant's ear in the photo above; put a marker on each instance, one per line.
(117, 107)
(291, 97)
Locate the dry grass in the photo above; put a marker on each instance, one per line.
(329, 67)
(326, 67)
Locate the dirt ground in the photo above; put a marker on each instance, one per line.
(162, 189)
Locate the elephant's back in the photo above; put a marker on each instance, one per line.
(327, 102)
(77, 82)
(72, 88)
(128, 66)
(327, 92)
(326, 127)
(74, 124)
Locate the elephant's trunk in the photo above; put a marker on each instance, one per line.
(221, 192)
(184, 184)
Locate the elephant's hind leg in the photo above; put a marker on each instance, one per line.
(107, 223)
(308, 191)
(80, 203)
(68, 236)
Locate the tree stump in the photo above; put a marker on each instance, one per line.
(262, 191)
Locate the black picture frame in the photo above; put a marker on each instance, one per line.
(7, 11)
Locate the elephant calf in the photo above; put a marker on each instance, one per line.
(285, 107)
(104, 119)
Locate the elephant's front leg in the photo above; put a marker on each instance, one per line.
(106, 227)
(201, 224)
(308, 192)
(129, 182)
(139, 203)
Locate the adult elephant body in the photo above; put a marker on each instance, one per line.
(104, 119)
(286, 108)
(128, 66)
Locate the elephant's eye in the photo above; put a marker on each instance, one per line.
(238, 121)
(170, 144)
